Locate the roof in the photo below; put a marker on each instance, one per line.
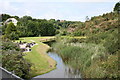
(13, 20)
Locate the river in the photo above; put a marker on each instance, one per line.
(61, 71)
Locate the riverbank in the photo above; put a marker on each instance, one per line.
(95, 56)
(62, 70)
(42, 63)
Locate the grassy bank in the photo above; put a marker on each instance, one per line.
(42, 63)
(80, 55)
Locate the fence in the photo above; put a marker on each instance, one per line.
(6, 75)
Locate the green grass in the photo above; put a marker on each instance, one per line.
(75, 37)
(38, 57)
(36, 39)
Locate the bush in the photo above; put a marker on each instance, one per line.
(13, 61)
(79, 33)
(111, 42)
(13, 36)
(10, 46)
(11, 32)
(104, 69)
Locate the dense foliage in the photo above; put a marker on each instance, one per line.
(34, 27)
(28, 26)
(12, 60)
(6, 16)
(11, 32)
(117, 7)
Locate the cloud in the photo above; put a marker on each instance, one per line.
(52, 14)
(6, 7)
(27, 12)
(94, 0)
(57, 10)
(62, 0)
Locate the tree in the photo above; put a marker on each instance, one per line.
(5, 17)
(16, 17)
(27, 17)
(52, 20)
(13, 36)
(31, 28)
(117, 7)
(12, 60)
(24, 20)
(10, 27)
(87, 18)
(3, 29)
(46, 29)
(11, 32)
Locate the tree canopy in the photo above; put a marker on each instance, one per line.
(117, 7)
(11, 32)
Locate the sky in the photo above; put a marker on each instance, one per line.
(70, 10)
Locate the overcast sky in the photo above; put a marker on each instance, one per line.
(75, 10)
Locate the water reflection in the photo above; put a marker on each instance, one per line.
(62, 70)
(72, 73)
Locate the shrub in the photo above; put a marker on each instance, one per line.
(79, 33)
(12, 60)
(13, 36)
(111, 42)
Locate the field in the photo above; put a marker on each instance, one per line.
(42, 63)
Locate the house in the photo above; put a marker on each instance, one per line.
(13, 20)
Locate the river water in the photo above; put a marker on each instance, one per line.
(61, 71)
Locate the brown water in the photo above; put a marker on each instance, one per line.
(61, 71)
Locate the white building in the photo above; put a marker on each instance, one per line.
(13, 20)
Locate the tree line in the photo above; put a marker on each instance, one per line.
(31, 27)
